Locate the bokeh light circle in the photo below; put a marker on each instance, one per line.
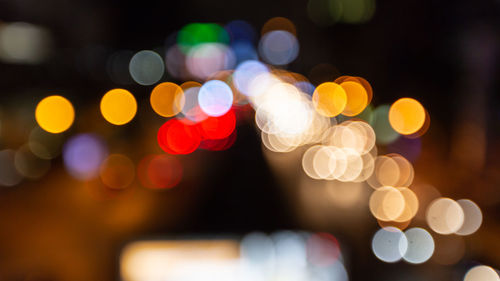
(481, 273)
(83, 155)
(279, 47)
(329, 99)
(389, 244)
(420, 246)
(118, 106)
(55, 114)
(445, 216)
(146, 67)
(215, 98)
(472, 217)
(117, 171)
(167, 99)
(407, 116)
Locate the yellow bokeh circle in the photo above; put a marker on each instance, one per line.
(407, 116)
(167, 99)
(118, 106)
(357, 98)
(54, 114)
(329, 99)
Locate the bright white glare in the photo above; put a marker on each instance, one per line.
(245, 73)
(215, 98)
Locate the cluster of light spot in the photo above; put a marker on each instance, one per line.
(447, 216)
(415, 245)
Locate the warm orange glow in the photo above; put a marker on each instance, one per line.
(118, 106)
(407, 116)
(54, 114)
(357, 98)
(329, 99)
(279, 23)
(167, 99)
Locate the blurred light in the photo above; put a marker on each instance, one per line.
(194, 34)
(146, 67)
(24, 43)
(218, 127)
(481, 273)
(43, 144)
(203, 60)
(245, 73)
(357, 98)
(385, 133)
(159, 171)
(389, 244)
(357, 11)
(177, 137)
(118, 106)
(83, 155)
(391, 170)
(324, 12)
(308, 161)
(329, 99)
(406, 116)
(30, 165)
(244, 51)
(472, 217)
(215, 98)
(445, 216)
(219, 144)
(175, 60)
(387, 203)
(191, 109)
(278, 47)
(278, 23)
(167, 99)
(54, 114)
(420, 245)
(240, 31)
(188, 260)
(9, 175)
(323, 249)
(117, 171)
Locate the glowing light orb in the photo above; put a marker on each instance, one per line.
(118, 106)
(167, 99)
(445, 216)
(472, 217)
(117, 171)
(215, 98)
(329, 99)
(146, 67)
(481, 273)
(245, 73)
(83, 155)
(159, 171)
(279, 47)
(420, 245)
(357, 98)
(407, 116)
(55, 114)
(389, 244)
